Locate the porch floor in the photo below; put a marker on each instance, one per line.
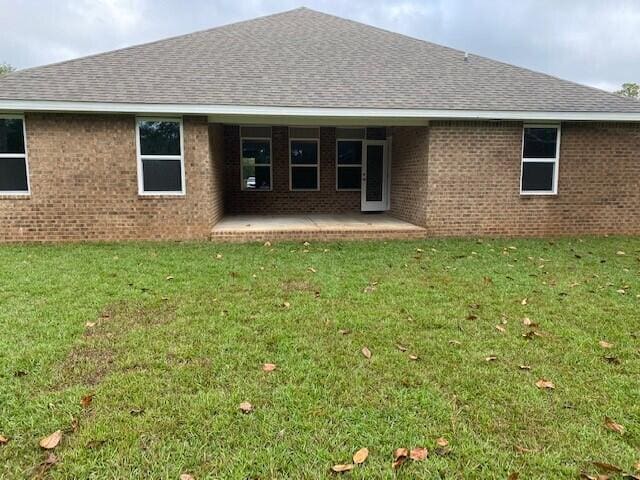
(350, 226)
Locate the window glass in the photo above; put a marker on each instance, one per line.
(159, 138)
(11, 135)
(540, 142)
(349, 178)
(13, 175)
(537, 176)
(304, 152)
(304, 178)
(161, 175)
(349, 153)
(256, 164)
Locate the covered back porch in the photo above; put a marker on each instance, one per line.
(325, 182)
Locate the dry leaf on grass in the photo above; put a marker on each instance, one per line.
(521, 449)
(246, 407)
(3, 440)
(401, 348)
(366, 352)
(500, 328)
(344, 331)
(312, 270)
(605, 344)
(86, 400)
(637, 466)
(90, 324)
(360, 456)
(219, 256)
(491, 358)
(513, 476)
(340, 468)
(50, 460)
(545, 384)
(455, 342)
(169, 277)
(610, 424)
(525, 367)
(399, 457)
(524, 301)
(620, 252)
(52, 440)
(413, 357)
(531, 334)
(267, 244)
(186, 476)
(607, 467)
(442, 442)
(269, 367)
(286, 305)
(418, 453)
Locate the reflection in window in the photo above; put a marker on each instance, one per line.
(160, 157)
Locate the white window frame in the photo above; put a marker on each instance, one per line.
(338, 166)
(258, 139)
(141, 190)
(25, 156)
(316, 166)
(555, 160)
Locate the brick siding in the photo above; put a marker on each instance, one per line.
(409, 181)
(474, 181)
(83, 175)
(281, 200)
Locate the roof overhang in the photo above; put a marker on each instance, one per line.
(315, 115)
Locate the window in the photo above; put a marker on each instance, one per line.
(160, 157)
(255, 146)
(14, 173)
(349, 158)
(540, 153)
(304, 154)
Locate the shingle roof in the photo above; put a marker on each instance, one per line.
(305, 58)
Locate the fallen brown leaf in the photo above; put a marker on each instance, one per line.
(268, 367)
(400, 453)
(545, 384)
(344, 331)
(613, 426)
(366, 352)
(455, 342)
(491, 358)
(186, 476)
(605, 344)
(528, 323)
(90, 324)
(525, 367)
(245, 407)
(531, 334)
(169, 277)
(3, 440)
(50, 460)
(401, 348)
(52, 440)
(86, 400)
(513, 476)
(418, 453)
(413, 357)
(607, 467)
(612, 359)
(500, 328)
(442, 442)
(637, 466)
(136, 411)
(286, 305)
(360, 456)
(524, 301)
(340, 468)
(521, 449)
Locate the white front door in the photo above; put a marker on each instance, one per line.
(375, 185)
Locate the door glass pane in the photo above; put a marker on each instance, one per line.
(375, 173)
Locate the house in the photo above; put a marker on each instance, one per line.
(293, 125)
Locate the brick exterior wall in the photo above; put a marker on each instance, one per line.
(83, 175)
(474, 181)
(280, 200)
(409, 179)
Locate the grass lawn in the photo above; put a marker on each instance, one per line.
(171, 338)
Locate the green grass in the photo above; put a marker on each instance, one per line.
(186, 351)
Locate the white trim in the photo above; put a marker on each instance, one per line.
(25, 156)
(339, 112)
(306, 165)
(141, 191)
(353, 165)
(258, 139)
(555, 161)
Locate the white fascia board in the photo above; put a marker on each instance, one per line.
(241, 111)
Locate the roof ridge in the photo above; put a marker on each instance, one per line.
(153, 42)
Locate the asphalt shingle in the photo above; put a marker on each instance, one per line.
(308, 59)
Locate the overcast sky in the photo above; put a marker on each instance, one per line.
(596, 42)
